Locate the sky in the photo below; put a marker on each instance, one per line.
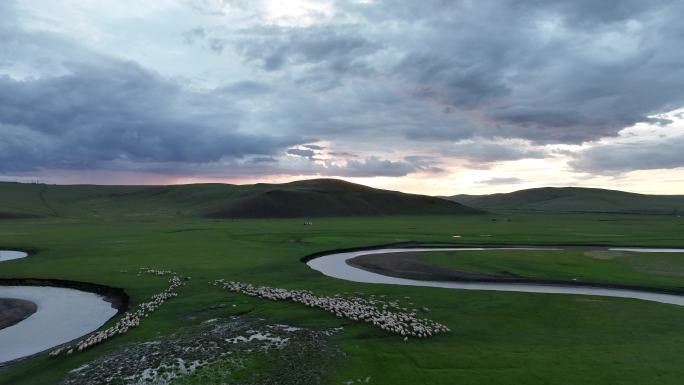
(435, 97)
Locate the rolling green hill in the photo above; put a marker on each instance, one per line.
(574, 199)
(308, 198)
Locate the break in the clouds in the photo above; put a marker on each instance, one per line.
(229, 89)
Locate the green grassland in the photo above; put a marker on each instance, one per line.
(657, 270)
(496, 338)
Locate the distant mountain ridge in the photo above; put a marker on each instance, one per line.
(300, 199)
(576, 199)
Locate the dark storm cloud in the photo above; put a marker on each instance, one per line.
(320, 52)
(343, 154)
(264, 159)
(301, 152)
(339, 48)
(545, 71)
(619, 158)
(484, 81)
(371, 166)
(362, 167)
(118, 111)
(425, 163)
(374, 166)
(464, 83)
(486, 152)
(562, 72)
(244, 88)
(590, 12)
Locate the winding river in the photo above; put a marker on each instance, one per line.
(336, 266)
(62, 315)
(65, 314)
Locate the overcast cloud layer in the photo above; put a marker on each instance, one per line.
(232, 89)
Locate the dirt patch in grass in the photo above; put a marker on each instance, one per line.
(13, 311)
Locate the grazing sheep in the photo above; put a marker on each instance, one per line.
(130, 319)
(401, 322)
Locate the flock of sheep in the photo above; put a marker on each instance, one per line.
(160, 272)
(388, 316)
(130, 319)
(401, 321)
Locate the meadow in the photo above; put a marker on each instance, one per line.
(495, 338)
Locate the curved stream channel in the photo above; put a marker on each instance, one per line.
(336, 266)
(64, 314)
(61, 315)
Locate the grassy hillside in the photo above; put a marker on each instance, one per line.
(572, 199)
(309, 198)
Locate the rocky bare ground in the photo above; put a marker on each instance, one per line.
(218, 351)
